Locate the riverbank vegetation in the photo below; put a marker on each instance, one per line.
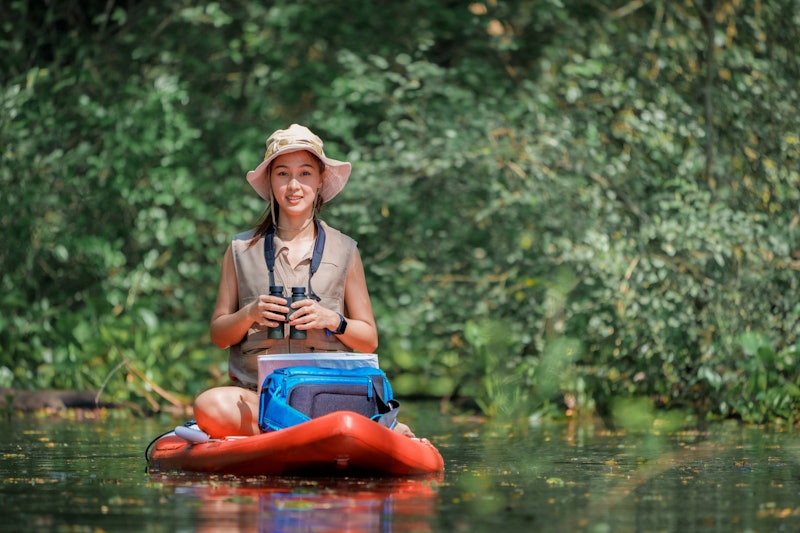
(564, 206)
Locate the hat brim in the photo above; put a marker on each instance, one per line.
(334, 178)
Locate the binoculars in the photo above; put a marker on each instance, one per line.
(298, 293)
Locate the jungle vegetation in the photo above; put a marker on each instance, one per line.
(564, 206)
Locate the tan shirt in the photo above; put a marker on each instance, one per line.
(253, 280)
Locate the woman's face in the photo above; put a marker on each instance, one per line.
(296, 180)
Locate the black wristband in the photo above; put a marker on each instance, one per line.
(342, 325)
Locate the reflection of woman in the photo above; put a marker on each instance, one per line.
(296, 178)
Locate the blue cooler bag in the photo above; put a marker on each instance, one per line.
(290, 396)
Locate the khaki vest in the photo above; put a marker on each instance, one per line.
(253, 280)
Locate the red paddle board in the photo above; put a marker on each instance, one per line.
(340, 441)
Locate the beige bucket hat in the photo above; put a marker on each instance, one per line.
(293, 139)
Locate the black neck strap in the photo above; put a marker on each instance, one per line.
(316, 257)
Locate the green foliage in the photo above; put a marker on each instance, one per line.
(560, 205)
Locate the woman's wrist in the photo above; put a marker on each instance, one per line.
(341, 325)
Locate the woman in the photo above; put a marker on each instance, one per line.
(296, 178)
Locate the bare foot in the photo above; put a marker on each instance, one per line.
(404, 430)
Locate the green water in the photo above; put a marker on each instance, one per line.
(89, 475)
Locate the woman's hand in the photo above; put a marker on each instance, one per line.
(309, 314)
(268, 310)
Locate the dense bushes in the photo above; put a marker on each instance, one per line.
(558, 206)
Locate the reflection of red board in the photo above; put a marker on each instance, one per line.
(322, 504)
(340, 441)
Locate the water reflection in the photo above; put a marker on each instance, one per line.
(58, 475)
(288, 504)
(583, 477)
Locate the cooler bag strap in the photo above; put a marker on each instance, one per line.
(387, 409)
(389, 418)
